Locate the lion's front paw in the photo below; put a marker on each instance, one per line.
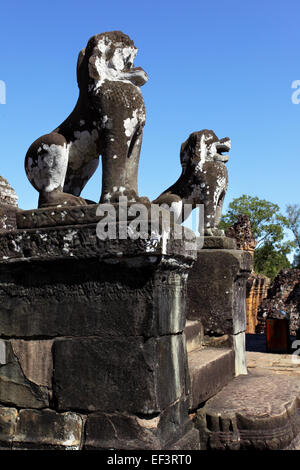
(58, 198)
(117, 197)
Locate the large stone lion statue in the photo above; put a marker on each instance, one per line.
(204, 180)
(107, 120)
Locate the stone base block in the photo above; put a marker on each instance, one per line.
(8, 419)
(133, 375)
(92, 328)
(126, 431)
(40, 429)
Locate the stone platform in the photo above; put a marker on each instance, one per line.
(92, 350)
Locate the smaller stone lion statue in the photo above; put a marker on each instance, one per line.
(204, 180)
(107, 120)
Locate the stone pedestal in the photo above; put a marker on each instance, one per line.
(92, 349)
(253, 412)
(217, 294)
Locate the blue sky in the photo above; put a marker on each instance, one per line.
(222, 65)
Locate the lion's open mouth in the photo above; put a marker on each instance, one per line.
(223, 147)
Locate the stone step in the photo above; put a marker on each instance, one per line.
(194, 334)
(210, 370)
(252, 412)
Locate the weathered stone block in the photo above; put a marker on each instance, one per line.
(79, 292)
(35, 359)
(128, 374)
(216, 290)
(117, 431)
(8, 419)
(220, 243)
(125, 431)
(47, 429)
(17, 390)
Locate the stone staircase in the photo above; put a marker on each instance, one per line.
(258, 411)
(210, 368)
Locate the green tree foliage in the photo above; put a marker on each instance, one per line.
(269, 261)
(268, 227)
(293, 217)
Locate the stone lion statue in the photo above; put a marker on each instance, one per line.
(204, 180)
(107, 120)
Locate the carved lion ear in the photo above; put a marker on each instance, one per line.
(79, 68)
(80, 59)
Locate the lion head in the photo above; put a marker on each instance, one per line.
(109, 56)
(201, 147)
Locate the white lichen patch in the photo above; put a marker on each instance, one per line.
(130, 124)
(202, 153)
(107, 197)
(68, 241)
(48, 171)
(112, 69)
(70, 235)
